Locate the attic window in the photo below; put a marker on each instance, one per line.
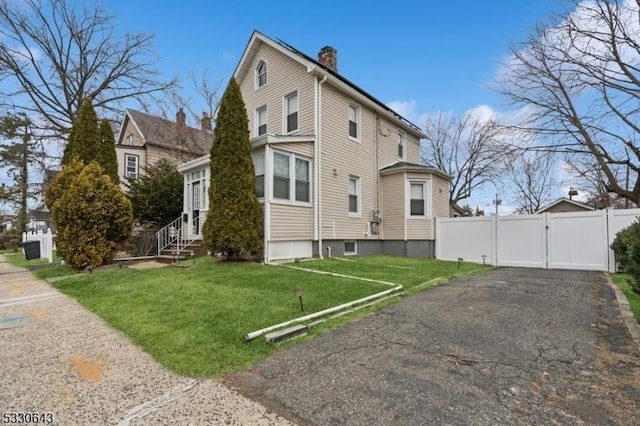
(261, 73)
(402, 139)
(129, 140)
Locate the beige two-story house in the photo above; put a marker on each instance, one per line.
(144, 139)
(337, 170)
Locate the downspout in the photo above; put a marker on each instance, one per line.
(318, 154)
(377, 171)
(315, 159)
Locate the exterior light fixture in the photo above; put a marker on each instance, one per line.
(299, 291)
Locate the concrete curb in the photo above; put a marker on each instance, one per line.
(625, 313)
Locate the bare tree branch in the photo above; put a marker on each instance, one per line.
(54, 55)
(580, 80)
(467, 147)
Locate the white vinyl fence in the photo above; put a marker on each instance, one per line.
(549, 240)
(46, 242)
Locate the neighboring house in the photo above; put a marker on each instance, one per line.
(40, 219)
(337, 171)
(563, 205)
(457, 211)
(144, 139)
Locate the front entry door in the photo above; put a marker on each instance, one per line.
(195, 207)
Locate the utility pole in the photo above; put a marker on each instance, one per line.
(497, 202)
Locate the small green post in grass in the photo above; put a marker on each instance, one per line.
(299, 291)
(460, 260)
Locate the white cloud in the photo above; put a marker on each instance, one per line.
(407, 109)
(483, 113)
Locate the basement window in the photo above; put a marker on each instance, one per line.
(350, 248)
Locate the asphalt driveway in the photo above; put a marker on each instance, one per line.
(508, 346)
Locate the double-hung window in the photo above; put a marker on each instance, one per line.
(303, 192)
(291, 178)
(354, 195)
(417, 200)
(261, 74)
(261, 120)
(354, 121)
(258, 166)
(281, 175)
(131, 166)
(291, 112)
(402, 143)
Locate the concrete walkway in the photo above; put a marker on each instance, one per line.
(58, 358)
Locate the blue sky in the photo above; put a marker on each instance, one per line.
(421, 57)
(440, 54)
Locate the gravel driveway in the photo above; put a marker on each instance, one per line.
(507, 346)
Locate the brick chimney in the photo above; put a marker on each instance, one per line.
(181, 118)
(205, 121)
(328, 56)
(181, 124)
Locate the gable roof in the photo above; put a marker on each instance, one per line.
(564, 200)
(164, 133)
(321, 71)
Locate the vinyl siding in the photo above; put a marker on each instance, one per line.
(301, 148)
(121, 150)
(290, 222)
(156, 153)
(440, 198)
(284, 76)
(421, 228)
(393, 206)
(344, 157)
(130, 130)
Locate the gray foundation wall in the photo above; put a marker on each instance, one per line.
(410, 248)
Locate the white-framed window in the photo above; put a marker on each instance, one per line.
(354, 121)
(291, 112)
(128, 140)
(402, 145)
(418, 201)
(350, 248)
(303, 187)
(281, 175)
(261, 74)
(354, 195)
(261, 120)
(131, 166)
(291, 178)
(258, 166)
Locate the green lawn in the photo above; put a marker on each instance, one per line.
(410, 272)
(194, 320)
(621, 280)
(40, 267)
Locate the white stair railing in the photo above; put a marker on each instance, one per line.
(177, 235)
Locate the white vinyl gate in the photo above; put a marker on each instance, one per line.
(549, 240)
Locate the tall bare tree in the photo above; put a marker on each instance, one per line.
(466, 147)
(578, 79)
(531, 177)
(55, 54)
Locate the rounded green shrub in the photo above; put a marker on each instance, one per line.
(91, 214)
(626, 247)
